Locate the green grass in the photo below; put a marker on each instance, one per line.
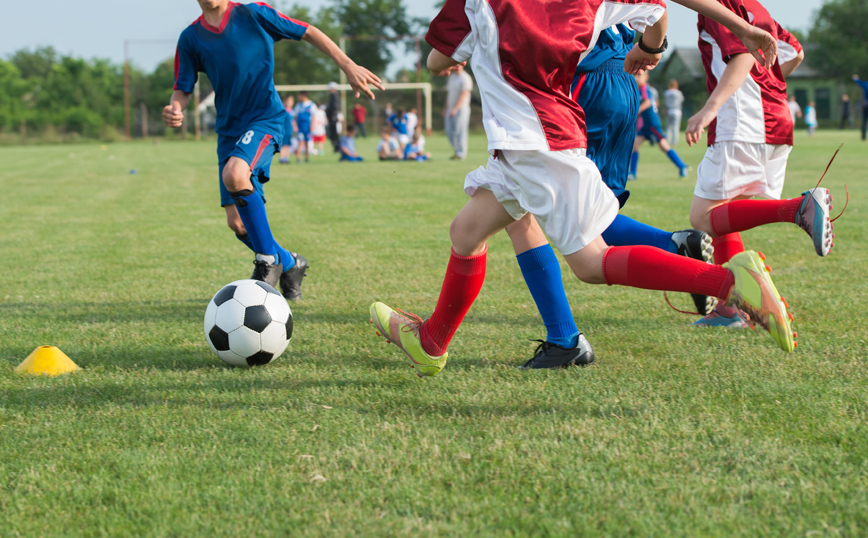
(673, 432)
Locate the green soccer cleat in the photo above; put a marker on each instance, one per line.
(402, 329)
(755, 294)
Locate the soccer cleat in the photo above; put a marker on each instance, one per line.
(755, 294)
(402, 329)
(714, 319)
(290, 280)
(684, 171)
(697, 245)
(549, 355)
(265, 271)
(813, 217)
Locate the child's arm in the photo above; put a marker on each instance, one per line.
(755, 39)
(357, 76)
(639, 61)
(173, 114)
(790, 66)
(737, 70)
(441, 65)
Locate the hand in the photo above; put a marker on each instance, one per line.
(756, 40)
(452, 112)
(358, 77)
(173, 116)
(448, 71)
(855, 77)
(638, 61)
(697, 123)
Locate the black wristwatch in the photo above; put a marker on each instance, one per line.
(649, 50)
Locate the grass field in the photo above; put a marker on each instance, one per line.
(675, 431)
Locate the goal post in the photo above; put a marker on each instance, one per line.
(424, 86)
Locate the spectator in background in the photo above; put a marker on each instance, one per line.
(811, 118)
(331, 111)
(387, 112)
(414, 151)
(795, 109)
(457, 111)
(387, 147)
(674, 101)
(288, 142)
(318, 130)
(347, 146)
(412, 121)
(846, 111)
(359, 115)
(398, 121)
(864, 85)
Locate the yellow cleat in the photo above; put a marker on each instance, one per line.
(402, 329)
(755, 294)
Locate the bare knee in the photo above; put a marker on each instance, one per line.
(700, 219)
(236, 175)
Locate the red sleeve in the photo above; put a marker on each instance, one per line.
(729, 44)
(449, 27)
(788, 38)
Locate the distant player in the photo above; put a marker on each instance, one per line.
(286, 145)
(347, 146)
(398, 121)
(649, 128)
(318, 129)
(524, 62)
(234, 45)
(750, 136)
(304, 111)
(388, 148)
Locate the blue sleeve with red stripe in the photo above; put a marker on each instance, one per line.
(278, 25)
(187, 65)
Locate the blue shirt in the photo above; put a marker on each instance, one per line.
(864, 85)
(287, 123)
(614, 43)
(399, 124)
(304, 115)
(348, 143)
(238, 57)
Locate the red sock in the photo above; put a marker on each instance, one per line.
(726, 246)
(651, 268)
(742, 215)
(461, 285)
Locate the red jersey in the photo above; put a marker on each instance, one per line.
(524, 56)
(757, 112)
(359, 113)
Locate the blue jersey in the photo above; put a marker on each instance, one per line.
(399, 124)
(304, 115)
(238, 57)
(287, 124)
(649, 115)
(613, 44)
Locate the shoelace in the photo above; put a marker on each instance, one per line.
(415, 321)
(846, 190)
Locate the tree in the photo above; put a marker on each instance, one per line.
(838, 38)
(370, 18)
(301, 63)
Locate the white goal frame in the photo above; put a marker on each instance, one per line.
(343, 88)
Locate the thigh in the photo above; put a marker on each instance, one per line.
(480, 218)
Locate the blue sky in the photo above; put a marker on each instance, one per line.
(98, 28)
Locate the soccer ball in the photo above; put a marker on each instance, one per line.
(248, 323)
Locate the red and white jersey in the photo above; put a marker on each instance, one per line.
(757, 112)
(524, 55)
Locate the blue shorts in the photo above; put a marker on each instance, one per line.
(610, 99)
(650, 127)
(304, 132)
(256, 147)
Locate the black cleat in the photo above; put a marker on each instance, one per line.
(697, 245)
(266, 272)
(290, 280)
(550, 355)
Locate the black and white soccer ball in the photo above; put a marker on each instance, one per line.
(248, 323)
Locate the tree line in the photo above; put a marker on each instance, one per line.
(41, 88)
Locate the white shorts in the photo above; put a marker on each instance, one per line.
(730, 169)
(403, 139)
(562, 189)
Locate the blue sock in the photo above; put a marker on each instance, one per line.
(625, 231)
(251, 208)
(286, 258)
(246, 240)
(542, 273)
(634, 163)
(675, 159)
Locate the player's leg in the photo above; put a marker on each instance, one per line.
(683, 169)
(733, 170)
(564, 344)
(743, 283)
(634, 157)
(233, 220)
(425, 343)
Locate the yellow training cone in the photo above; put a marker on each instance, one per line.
(47, 360)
